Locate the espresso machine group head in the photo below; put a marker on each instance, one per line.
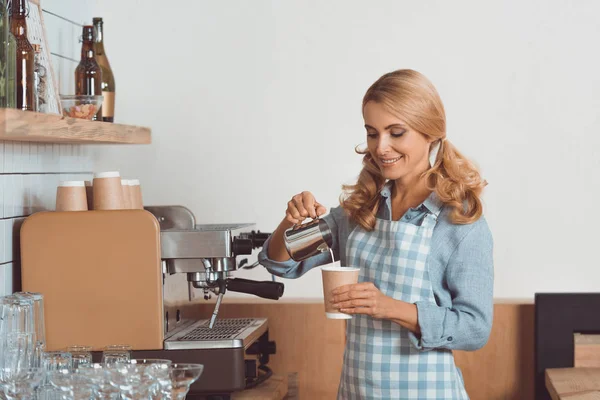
(207, 254)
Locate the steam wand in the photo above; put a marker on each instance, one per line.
(222, 287)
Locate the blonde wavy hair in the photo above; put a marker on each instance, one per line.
(411, 96)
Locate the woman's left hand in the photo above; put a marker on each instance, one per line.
(362, 298)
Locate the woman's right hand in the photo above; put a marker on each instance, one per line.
(302, 206)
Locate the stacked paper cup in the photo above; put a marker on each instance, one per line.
(135, 191)
(107, 191)
(70, 196)
(126, 193)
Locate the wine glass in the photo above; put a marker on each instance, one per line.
(157, 371)
(72, 385)
(99, 377)
(21, 383)
(131, 380)
(182, 376)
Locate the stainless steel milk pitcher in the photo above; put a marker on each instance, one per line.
(305, 240)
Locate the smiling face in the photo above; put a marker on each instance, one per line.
(399, 151)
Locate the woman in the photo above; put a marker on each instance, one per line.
(413, 224)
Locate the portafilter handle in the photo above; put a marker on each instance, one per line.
(265, 289)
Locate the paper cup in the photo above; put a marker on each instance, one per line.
(89, 194)
(335, 276)
(136, 194)
(108, 192)
(126, 193)
(70, 196)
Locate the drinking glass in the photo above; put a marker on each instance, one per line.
(116, 354)
(16, 351)
(38, 322)
(16, 314)
(57, 361)
(16, 332)
(82, 355)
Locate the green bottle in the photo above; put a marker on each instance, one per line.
(3, 53)
(11, 81)
(8, 60)
(12, 71)
(4, 32)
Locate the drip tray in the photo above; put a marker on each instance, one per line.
(228, 333)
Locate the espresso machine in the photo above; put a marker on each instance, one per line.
(132, 276)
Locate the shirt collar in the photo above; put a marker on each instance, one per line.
(432, 203)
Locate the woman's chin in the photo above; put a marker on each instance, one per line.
(391, 175)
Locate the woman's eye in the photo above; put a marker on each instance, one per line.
(398, 134)
(371, 135)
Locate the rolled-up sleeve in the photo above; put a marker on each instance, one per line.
(467, 323)
(294, 269)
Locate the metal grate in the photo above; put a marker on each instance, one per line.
(223, 330)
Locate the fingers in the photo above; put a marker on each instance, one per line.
(289, 217)
(359, 310)
(309, 201)
(354, 303)
(302, 206)
(320, 209)
(355, 286)
(352, 295)
(292, 213)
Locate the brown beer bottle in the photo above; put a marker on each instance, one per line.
(108, 79)
(88, 74)
(25, 56)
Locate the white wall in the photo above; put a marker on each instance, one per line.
(30, 172)
(63, 20)
(251, 102)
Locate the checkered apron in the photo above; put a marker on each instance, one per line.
(379, 360)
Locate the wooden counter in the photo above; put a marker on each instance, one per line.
(274, 388)
(573, 383)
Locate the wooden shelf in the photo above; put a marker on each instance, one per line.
(27, 126)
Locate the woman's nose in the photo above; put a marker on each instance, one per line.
(383, 145)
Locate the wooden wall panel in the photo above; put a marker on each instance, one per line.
(504, 367)
(313, 346)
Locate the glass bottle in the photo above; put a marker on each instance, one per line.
(4, 30)
(8, 66)
(39, 81)
(25, 56)
(11, 75)
(108, 79)
(88, 75)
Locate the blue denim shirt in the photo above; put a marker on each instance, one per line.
(460, 266)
